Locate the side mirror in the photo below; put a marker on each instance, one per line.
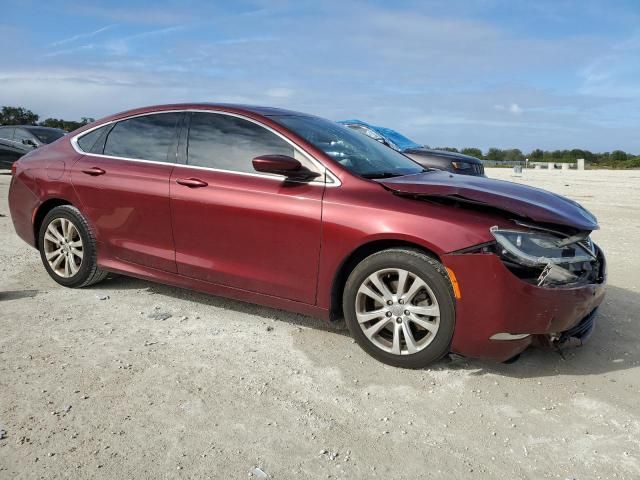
(29, 142)
(283, 165)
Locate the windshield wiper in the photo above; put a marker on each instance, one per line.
(373, 175)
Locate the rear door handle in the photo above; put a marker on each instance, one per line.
(192, 182)
(94, 171)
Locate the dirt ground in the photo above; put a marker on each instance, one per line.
(94, 384)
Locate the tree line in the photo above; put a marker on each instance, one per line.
(23, 116)
(615, 159)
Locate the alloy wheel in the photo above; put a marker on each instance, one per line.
(63, 247)
(397, 311)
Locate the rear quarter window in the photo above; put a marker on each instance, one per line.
(89, 142)
(147, 137)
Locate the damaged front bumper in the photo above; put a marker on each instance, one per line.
(499, 315)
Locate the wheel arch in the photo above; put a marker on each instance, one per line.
(355, 257)
(42, 211)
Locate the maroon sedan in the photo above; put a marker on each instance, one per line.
(297, 212)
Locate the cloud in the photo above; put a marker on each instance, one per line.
(431, 71)
(82, 36)
(69, 51)
(615, 73)
(153, 14)
(119, 46)
(280, 92)
(513, 108)
(153, 33)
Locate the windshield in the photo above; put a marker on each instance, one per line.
(398, 139)
(47, 135)
(354, 151)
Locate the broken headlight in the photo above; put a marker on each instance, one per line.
(544, 258)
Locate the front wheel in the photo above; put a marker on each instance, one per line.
(68, 248)
(399, 307)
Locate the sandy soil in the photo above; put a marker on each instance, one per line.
(94, 385)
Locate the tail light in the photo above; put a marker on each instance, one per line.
(14, 167)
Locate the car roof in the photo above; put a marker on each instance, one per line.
(29, 127)
(235, 107)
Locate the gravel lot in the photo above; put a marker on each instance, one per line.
(95, 384)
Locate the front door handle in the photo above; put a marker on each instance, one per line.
(192, 182)
(94, 171)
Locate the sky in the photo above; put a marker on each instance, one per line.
(549, 74)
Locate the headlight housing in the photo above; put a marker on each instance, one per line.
(545, 258)
(458, 165)
(540, 248)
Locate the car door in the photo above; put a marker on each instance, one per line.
(8, 153)
(235, 227)
(123, 184)
(10, 148)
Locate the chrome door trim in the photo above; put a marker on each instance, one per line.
(331, 179)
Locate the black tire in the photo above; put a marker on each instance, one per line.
(88, 272)
(433, 274)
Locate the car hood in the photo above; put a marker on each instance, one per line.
(429, 152)
(524, 201)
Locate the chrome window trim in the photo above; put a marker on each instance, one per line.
(12, 141)
(331, 180)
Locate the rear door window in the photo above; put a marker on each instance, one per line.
(149, 137)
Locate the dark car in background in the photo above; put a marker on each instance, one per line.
(429, 158)
(18, 140)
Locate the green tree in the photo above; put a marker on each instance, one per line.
(617, 156)
(473, 152)
(632, 163)
(553, 156)
(17, 116)
(68, 125)
(495, 154)
(536, 155)
(513, 155)
(575, 154)
(602, 158)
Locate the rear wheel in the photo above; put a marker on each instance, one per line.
(399, 307)
(68, 248)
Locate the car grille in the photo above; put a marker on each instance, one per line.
(478, 169)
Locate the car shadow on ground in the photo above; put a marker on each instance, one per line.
(122, 282)
(17, 294)
(612, 347)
